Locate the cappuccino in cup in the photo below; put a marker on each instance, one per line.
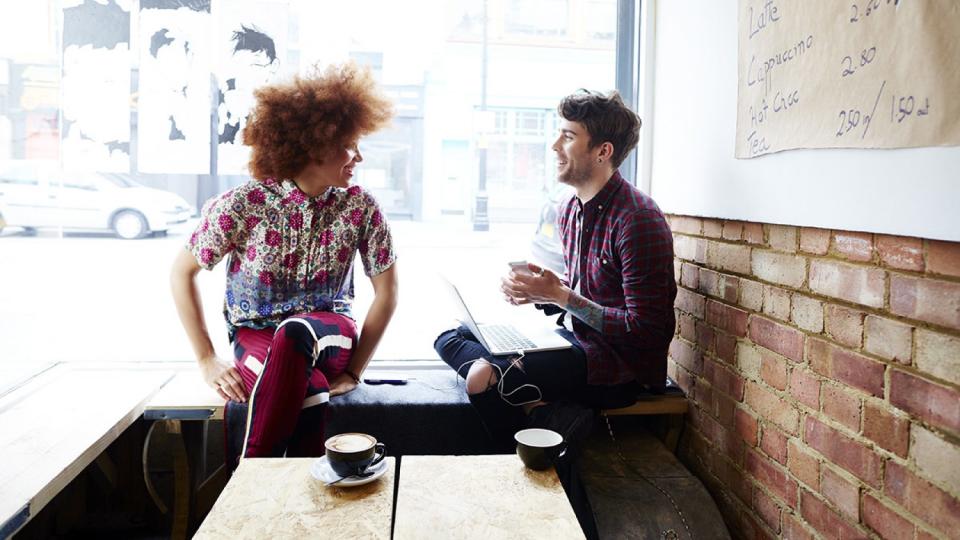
(352, 454)
(350, 442)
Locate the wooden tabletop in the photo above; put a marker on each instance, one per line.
(480, 497)
(278, 498)
(55, 424)
(186, 392)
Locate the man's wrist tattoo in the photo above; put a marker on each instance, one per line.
(586, 310)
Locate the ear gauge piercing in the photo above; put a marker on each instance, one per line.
(599, 160)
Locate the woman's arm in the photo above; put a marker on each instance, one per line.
(219, 374)
(385, 293)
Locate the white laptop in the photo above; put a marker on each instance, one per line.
(506, 339)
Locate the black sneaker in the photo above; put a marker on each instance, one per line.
(573, 422)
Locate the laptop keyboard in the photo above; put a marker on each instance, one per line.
(506, 338)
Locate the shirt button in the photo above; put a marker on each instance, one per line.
(600, 207)
(603, 261)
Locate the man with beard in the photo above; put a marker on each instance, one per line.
(616, 297)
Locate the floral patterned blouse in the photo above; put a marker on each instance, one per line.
(288, 253)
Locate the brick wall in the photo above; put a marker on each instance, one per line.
(823, 369)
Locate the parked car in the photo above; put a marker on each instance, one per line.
(36, 195)
(546, 246)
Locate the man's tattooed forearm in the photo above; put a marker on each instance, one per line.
(586, 310)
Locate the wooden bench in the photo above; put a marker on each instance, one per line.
(59, 422)
(183, 408)
(672, 403)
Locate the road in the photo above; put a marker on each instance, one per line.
(96, 298)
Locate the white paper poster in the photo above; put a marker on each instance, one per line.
(96, 86)
(251, 40)
(174, 102)
(856, 74)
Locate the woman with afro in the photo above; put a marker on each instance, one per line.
(290, 236)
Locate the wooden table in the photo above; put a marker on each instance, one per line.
(278, 498)
(53, 425)
(480, 497)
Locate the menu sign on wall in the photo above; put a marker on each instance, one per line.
(847, 74)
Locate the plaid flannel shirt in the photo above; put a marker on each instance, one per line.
(626, 266)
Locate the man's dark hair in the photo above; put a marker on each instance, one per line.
(253, 40)
(607, 119)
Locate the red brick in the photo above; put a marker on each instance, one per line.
(728, 257)
(884, 521)
(938, 354)
(780, 268)
(751, 295)
(690, 276)
(748, 360)
(934, 404)
(683, 378)
(943, 258)
(685, 355)
(705, 336)
(727, 348)
(770, 407)
(746, 426)
(753, 233)
(733, 478)
(853, 369)
(803, 465)
(842, 407)
(928, 300)
(844, 325)
(921, 498)
(901, 252)
(825, 520)
(805, 387)
(767, 509)
(793, 529)
(749, 527)
(732, 230)
(777, 337)
(723, 379)
(692, 303)
(719, 285)
(845, 495)
(888, 339)
(783, 238)
(727, 318)
(687, 323)
(924, 535)
(853, 245)
(722, 407)
(685, 224)
(728, 443)
(774, 444)
(773, 477)
(843, 451)
(776, 302)
(712, 228)
(936, 458)
(807, 313)
(690, 248)
(857, 284)
(815, 241)
(773, 369)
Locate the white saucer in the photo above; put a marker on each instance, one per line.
(320, 469)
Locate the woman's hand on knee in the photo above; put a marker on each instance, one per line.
(341, 384)
(224, 378)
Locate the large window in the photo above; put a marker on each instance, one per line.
(118, 120)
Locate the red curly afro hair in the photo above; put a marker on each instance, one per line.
(301, 121)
